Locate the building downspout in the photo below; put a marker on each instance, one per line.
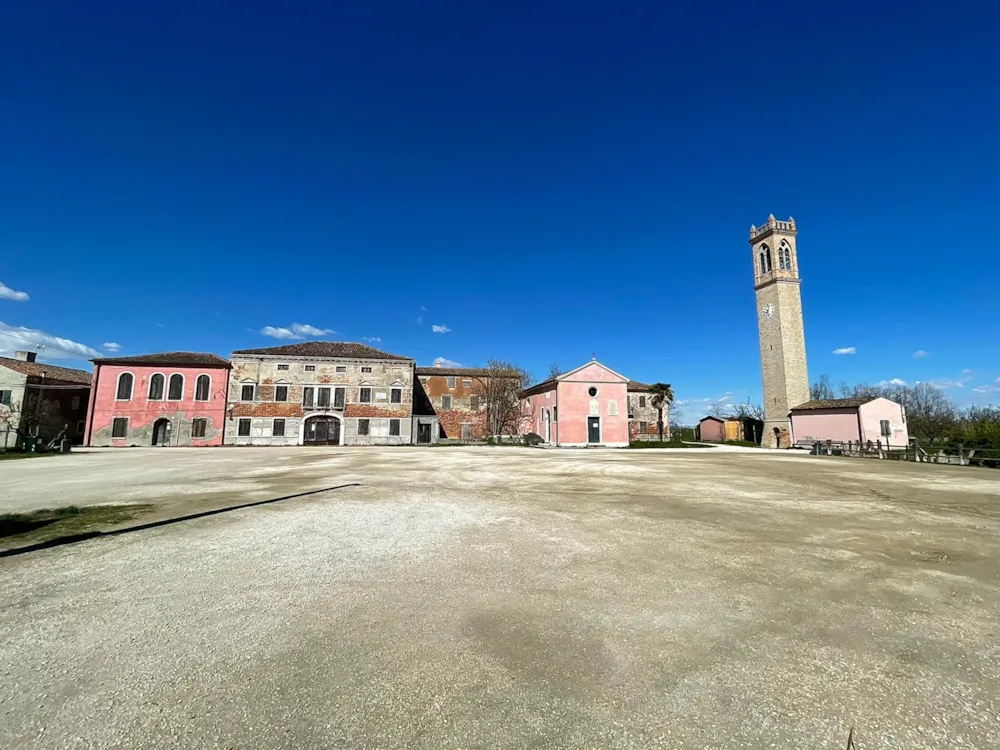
(225, 403)
(861, 429)
(92, 402)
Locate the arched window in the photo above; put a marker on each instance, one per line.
(125, 381)
(156, 387)
(176, 390)
(765, 259)
(784, 256)
(202, 388)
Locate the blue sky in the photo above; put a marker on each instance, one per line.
(534, 184)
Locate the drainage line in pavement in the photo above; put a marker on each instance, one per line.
(73, 538)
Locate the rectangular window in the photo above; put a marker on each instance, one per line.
(341, 368)
(643, 428)
(243, 428)
(119, 427)
(281, 393)
(365, 395)
(393, 428)
(395, 395)
(446, 402)
(308, 394)
(452, 381)
(642, 402)
(80, 428)
(278, 429)
(339, 397)
(198, 427)
(466, 432)
(466, 383)
(5, 397)
(886, 430)
(366, 369)
(474, 402)
(74, 403)
(362, 426)
(310, 368)
(282, 367)
(555, 413)
(323, 399)
(247, 392)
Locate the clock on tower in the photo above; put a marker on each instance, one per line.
(782, 334)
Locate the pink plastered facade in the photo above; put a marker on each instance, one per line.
(868, 422)
(586, 406)
(196, 418)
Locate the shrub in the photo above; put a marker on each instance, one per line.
(533, 439)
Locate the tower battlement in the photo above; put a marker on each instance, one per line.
(773, 225)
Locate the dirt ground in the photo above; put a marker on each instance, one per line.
(506, 598)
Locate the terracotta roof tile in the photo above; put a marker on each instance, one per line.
(181, 359)
(832, 403)
(326, 349)
(43, 369)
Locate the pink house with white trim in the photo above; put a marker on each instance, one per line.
(169, 399)
(587, 406)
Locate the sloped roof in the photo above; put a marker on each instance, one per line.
(635, 385)
(717, 419)
(326, 349)
(539, 387)
(43, 369)
(180, 359)
(456, 371)
(832, 403)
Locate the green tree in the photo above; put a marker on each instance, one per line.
(661, 395)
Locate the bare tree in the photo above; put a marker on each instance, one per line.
(500, 384)
(30, 416)
(554, 371)
(821, 390)
(719, 410)
(753, 413)
(661, 397)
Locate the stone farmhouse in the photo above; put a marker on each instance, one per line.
(451, 399)
(25, 382)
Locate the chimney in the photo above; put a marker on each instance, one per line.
(25, 356)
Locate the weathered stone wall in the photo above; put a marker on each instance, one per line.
(461, 412)
(646, 414)
(327, 373)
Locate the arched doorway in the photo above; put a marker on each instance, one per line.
(323, 429)
(777, 437)
(161, 431)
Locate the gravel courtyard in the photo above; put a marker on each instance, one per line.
(506, 598)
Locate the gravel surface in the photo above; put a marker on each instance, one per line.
(510, 598)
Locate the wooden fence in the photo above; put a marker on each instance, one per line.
(953, 453)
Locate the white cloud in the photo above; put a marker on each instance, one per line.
(423, 309)
(294, 331)
(441, 329)
(442, 362)
(968, 371)
(946, 383)
(997, 380)
(7, 293)
(919, 353)
(988, 389)
(894, 381)
(19, 338)
(111, 346)
(372, 339)
(420, 320)
(845, 350)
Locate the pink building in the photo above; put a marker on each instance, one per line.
(585, 406)
(850, 420)
(176, 398)
(712, 429)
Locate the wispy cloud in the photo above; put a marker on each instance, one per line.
(968, 371)
(7, 293)
(919, 354)
(19, 338)
(295, 331)
(420, 320)
(440, 329)
(423, 309)
(372, 339)
(988, 388)
(443, 362)
(946, 383)
(845, 350)
(894, 381)
(111, 346)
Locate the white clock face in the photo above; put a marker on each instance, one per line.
(768, 310)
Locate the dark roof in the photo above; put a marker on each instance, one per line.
(180, 359)
(717, 419)
(635, 385)
(466, 371)
(832, 403)
(539, 388)
(326, 349)
(43, 369)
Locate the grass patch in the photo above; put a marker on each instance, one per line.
(14, 455)
(743, 443)
(19, 529)
(665, 444)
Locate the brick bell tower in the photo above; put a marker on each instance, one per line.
(779, 321)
